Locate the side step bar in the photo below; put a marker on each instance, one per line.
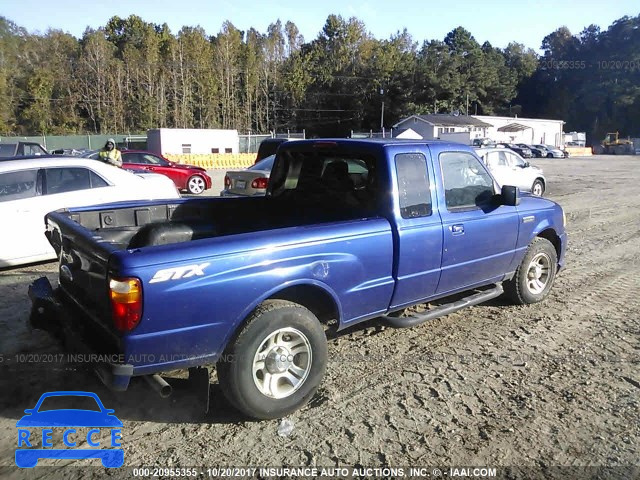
(445, 309)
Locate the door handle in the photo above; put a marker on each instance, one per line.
(457, 229)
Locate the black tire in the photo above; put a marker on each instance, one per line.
(537, 184)
(519, 289)
(235, 368)
(549, 155)
(196, 185)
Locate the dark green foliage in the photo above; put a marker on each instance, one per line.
(132, 75)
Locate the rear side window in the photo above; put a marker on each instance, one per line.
(61, 180)
(413, 185)
(466, 183)
(97, 181)
(18, 185)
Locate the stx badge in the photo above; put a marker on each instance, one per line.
(179, 272)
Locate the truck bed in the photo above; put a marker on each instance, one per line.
(186, 220)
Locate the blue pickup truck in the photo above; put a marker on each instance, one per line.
(349, 230)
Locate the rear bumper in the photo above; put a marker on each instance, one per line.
(50, 313)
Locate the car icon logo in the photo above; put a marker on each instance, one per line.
(96, 420)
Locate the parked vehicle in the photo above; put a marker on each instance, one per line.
(189, 178)
(268, 147)
(535, 151)
(29, 188)
(509, 168)
(20, 149)
(524, 152)
(612, 144)
(349, 230)
(483, 142)
(251, 181)
(552, 152)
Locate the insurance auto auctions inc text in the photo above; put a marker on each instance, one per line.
(351, 472)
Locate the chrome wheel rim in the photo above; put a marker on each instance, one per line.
(537, 189)
(196, 185)
(282, 363)
(538, 273)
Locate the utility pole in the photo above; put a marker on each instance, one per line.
(382, 111)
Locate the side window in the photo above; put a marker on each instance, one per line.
(413, 185)
(61, 180)
(466, 183)
(151, 159)
(132, 158)
(97, 181)
(514, 160)
(18, 185)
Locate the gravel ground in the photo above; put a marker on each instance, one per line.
(553, 384)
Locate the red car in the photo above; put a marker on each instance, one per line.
(186, 177)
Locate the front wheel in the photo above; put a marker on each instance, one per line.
(534, 277)
(277, 361)
(196, 185)
(537, 188)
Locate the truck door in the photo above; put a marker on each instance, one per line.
(418, 231)
(479, 237)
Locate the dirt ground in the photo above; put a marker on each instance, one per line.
(553, 384)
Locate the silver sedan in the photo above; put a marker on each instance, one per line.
(250, 182)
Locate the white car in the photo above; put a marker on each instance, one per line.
(509, 168)
(552, 152)
(30, 188)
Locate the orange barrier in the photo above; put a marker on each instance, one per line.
(579, 151)
(224, 161)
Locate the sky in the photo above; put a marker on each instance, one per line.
(499, 22)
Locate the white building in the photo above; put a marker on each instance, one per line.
(464, 129)
(192, 140)
(531, 131)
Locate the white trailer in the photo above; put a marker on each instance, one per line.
(192, 140)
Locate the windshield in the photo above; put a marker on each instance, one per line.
(65, 402)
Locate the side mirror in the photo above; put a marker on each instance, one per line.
(510, 195)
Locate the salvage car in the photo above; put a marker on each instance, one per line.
(29, 188)
(552, 152)
(247, 283)
(21, 149)
(524, 152)
(509, 168)
(251, 181)
(188, 178)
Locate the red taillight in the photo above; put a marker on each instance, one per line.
(261, 182)
(126, 302)
(227, 181)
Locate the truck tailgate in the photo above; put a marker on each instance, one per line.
(83, 266)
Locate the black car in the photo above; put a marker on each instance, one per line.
(268, 147)
(535, 151)
(524, 152)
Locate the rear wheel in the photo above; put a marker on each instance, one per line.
(537, 188)
(276, 363)
(196, 185)
(549, 155)
(535, 275)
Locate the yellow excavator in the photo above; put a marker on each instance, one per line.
(614, 145)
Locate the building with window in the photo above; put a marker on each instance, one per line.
(530, 131)
(455, 128)
(465, 129)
